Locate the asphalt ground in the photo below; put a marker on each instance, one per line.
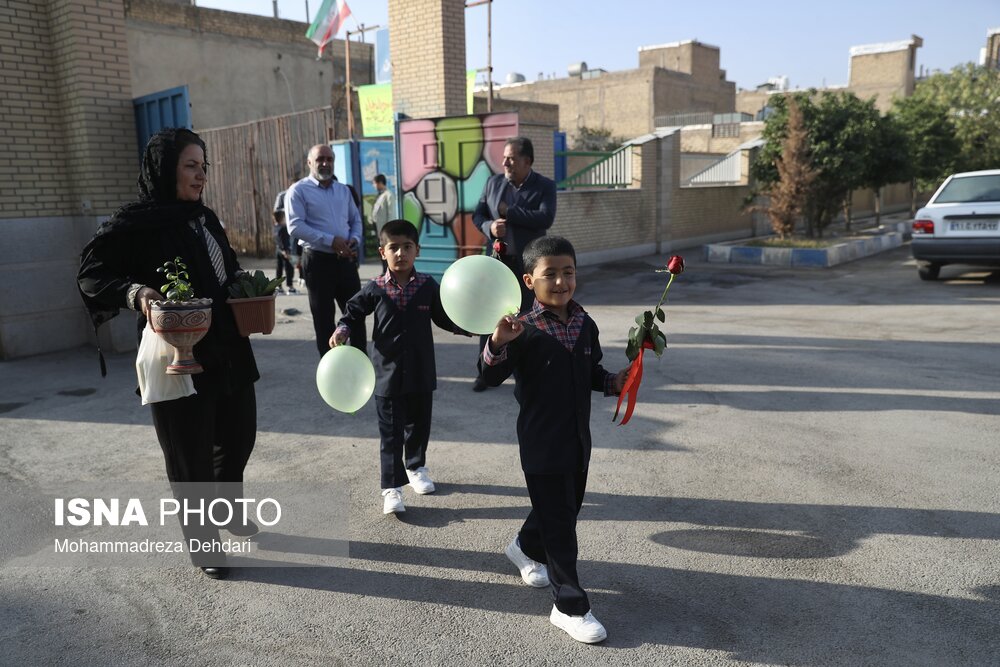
(810, 478)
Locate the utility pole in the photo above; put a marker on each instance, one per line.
(347, 57)
(489, 48)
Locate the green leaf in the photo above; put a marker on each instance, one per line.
(659, 343)
(660, 315)
(164, 288)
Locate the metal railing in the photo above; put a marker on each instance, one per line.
(608, 169)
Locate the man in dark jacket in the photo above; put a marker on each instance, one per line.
(516, 208)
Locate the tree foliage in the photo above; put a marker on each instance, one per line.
(789, 194)
(971, 96)
(842, 129)
(595, 139)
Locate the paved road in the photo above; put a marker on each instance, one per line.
(810, 479)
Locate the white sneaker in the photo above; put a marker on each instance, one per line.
(533, 572)
(420, 480)
(392, 501)
(586, 628)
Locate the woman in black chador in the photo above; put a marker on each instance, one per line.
(208, 436)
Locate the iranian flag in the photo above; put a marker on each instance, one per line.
(329, 20)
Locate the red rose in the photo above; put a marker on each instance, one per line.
(499, 247)
(676, 264)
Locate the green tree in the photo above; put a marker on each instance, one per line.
(595, 139)
(888, 160)
(841, 130)
(972, 96)
(932, 146)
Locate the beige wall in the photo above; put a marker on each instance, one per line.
(70, 159)
(699, 139)
(238, 67)
(883, 76)
(668, 80)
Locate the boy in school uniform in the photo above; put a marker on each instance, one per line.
(554, 353)
(404, 303)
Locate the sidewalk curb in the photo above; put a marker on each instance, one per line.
(891, 235)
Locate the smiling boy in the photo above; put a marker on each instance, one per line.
(404, 303)
(554, 353)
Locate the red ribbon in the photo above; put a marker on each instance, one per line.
(631, 387)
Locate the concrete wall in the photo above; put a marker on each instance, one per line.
(238, 67)
(69, 160)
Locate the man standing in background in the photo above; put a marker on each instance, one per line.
(323, 215)
(517, 207)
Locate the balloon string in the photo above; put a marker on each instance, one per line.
(631, 387)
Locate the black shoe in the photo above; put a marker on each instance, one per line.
(243, 530)
(216, 572)
(480, 384)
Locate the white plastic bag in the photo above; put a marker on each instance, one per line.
(151, 367)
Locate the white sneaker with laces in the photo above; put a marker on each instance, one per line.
(420, 480)
(586, 628)
(534, 573)
(392, 501)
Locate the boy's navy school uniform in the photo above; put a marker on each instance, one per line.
(555, 368)
(405, 372)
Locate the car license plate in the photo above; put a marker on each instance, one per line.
(975, 225)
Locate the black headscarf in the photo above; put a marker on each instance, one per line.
(157, 206)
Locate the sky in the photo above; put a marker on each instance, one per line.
(804, 40)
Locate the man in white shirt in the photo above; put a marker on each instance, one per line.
(321, 213)
(384, 208)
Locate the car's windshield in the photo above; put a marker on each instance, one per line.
(971, 189)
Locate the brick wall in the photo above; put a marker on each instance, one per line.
(69, 160)
(625, 102)
(428, 57)
(883, 76)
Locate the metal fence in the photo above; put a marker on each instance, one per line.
(608, 169)
(251, 163)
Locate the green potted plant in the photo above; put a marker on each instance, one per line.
(181, 319)
(251, 296)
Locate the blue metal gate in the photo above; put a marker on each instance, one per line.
(167, 108)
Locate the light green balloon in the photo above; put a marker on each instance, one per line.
(477, 291)
(345, 378)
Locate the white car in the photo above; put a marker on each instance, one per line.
(960, 224)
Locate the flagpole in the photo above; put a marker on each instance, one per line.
(347, 56)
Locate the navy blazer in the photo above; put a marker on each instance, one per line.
(552, 386)
(402, 341)
(530, 217)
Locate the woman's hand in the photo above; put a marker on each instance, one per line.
(507, 330)
(144, 296)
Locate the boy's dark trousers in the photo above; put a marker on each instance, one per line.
(549, 534)
(285, 267)
(404, 423)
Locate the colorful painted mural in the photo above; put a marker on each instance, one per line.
(444, 165)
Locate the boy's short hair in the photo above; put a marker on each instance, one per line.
(398, 228)
(379, 178)
(546, 246)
